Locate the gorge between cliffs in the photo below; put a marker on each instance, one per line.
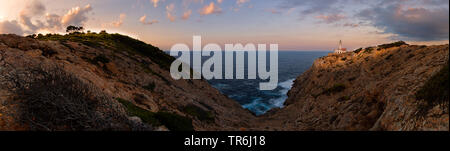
(90, 81)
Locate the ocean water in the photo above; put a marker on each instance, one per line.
(291, 64)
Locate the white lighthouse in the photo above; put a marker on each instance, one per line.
(340, 49)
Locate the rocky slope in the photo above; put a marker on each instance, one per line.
(373, 89)
(113, 82)
(130, 79)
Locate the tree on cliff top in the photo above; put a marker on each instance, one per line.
(73, 29)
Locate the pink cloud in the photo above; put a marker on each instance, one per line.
(144, 21)
(186, 14)
(170, 10)
(212, 8)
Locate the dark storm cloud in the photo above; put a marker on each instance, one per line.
(408, 22)
(423, 20)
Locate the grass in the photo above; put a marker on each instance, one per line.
(199, 113)
(435, 91)
(116, 42)
(172, 121)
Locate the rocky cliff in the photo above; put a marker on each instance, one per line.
(106, 81)
(376, 88)
(46, 80)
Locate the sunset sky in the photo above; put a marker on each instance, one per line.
(293, 24)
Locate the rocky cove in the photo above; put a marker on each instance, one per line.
(113, 82)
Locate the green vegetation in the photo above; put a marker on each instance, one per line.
(172, 121)
(334, 89)
(151, 86)
(358, 50)
(101, 58)
(175, 122)
(395, 44)
(199, 113)
(115, 42)
(71, 29)
(54, 100)
(344, 98)
(389, 57)
(368, 50)
(436, 90)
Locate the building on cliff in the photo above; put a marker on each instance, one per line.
(340, 49)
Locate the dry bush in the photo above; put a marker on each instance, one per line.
(53, 99)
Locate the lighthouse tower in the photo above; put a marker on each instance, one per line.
(340, 49)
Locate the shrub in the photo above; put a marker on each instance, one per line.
(358, 50)
(172, 121)
(52, 99)
(199, 113)
(101, 58)
(151, 86)
(389, 57)
(344, 98)
(395, 44)
(334, 89)
(435, 91)
(175, 122)
(116, 42)
(133, 110)
(368, 50)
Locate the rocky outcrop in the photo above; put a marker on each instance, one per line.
(371, 89)
(117, 74)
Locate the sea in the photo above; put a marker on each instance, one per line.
(291, 64)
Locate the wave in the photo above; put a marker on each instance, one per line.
(259, 107)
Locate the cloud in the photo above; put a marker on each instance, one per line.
(241, 2)
(273, 11)
(170, 10)
(219, 1)
(422, 20)
(32, 18)
(333, 18)
(409, 22)
(307, 7)
(186, 14)
(350, 25)
(212, 8)
(34, 8)
(120, 21)
(53, 22)
(10, 27)
(155, 3)
(76, 16)
(144, 21)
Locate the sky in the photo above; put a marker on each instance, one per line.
(292, 24)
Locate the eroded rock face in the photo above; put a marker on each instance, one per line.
(118, 74)
(364, 91)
